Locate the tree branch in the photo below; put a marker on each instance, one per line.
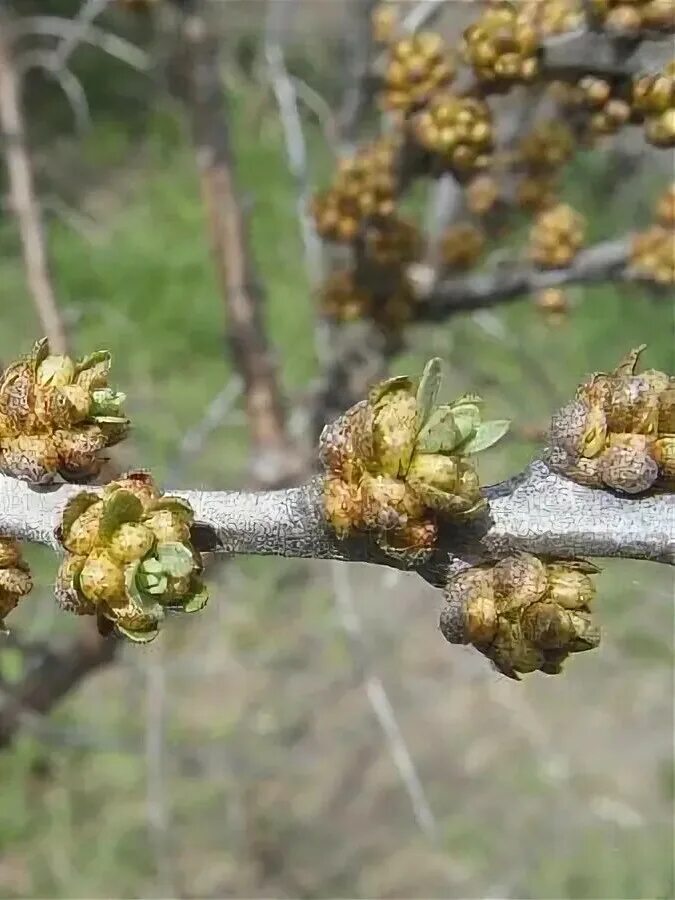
(23, 198)
(440, 298)
(537, 511)
(242, 291)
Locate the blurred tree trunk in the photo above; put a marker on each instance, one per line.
(22, 195)
(205, 102)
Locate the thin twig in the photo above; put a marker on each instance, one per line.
(242, 291)
(294, 138)
(23, 197)
(439, 299)
(68, 82)
(112, 44)
(358, 60)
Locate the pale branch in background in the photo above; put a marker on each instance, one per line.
(23, 197)
(286, 96)
(55, 26)
(442, 297)
(360, 46)
(243, 295)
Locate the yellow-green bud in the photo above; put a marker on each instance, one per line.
(56, 371)
(388, 503)
(102, 579)
(394, 432)
(10, 554)
(519, 580)
(569, 588)
(130, 542)
(167, 526)
(435, 470)
(15, 581)
(83, 533)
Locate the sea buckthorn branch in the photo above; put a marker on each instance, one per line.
(537, 511)
(442, 297)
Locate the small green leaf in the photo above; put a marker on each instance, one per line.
(400, 382)
(427, 392)
(99, 356)
(143, 636)
(157, 584)
(152, 566)
(175, 559)
(122, 506)
(467, 420)
(440, 434)
(133, 592)
(110, 420)
(39, 352)
(106, 403)
(473, 399)
(179, 507)
(74, 509)
(486, 435)
(198, 599)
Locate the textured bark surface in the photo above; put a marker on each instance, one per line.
(537, 511)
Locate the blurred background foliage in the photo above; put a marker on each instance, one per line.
(239, 755)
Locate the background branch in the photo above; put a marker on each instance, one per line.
(23, 198)
(242, 290)
(606, 261)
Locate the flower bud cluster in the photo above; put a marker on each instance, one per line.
(556, 236)
(524, 614)
(551, 17)
(619, 431)
(502, 46)
(395, 465)
(654, 101)
(630, 17)
(363, 188)
(15, 580)
(461, 246)
(56, 415)
(129, 559)
(418, 66)
(390, 303)
(456, 131)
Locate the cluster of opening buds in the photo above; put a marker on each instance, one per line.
(363, 188)
(129, 559)
(654, 100)
(502, 46)
(57, 415)
(630, 17)
(388, 299)
(540, 156)
(653, 250)
(15, 580)
(551, 17)
(557, 236)
(443, 123)
(456, 132)
(418, 66)
(523, 613)
(619, 431)
(396, 463)
(461, 246)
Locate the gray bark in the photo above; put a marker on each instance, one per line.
(537, 511)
